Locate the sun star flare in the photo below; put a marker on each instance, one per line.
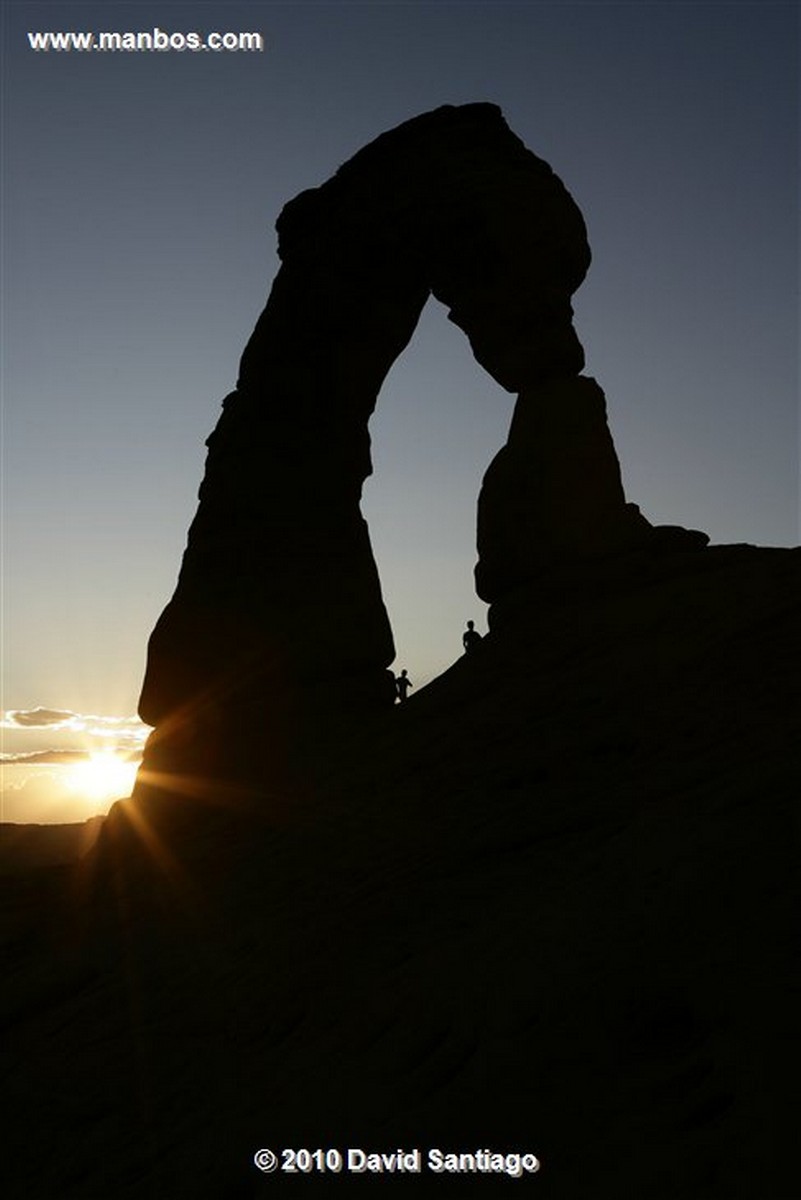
(103, 775)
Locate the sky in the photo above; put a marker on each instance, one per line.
(139, 196)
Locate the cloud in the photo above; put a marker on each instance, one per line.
(129, 731)
(36, 718)
(45, 757)
(37, 795)
(64, 782)
(37, 757)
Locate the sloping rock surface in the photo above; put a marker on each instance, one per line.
(278, 598)
(550, 905)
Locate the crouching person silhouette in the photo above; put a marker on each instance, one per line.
(470, 638)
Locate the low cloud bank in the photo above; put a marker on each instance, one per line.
(61, 718)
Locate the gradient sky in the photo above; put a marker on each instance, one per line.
(139, 196)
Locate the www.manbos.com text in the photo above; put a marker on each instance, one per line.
(146, 41)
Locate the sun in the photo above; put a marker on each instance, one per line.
(104, 775)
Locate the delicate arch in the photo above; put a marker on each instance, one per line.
(278, 590)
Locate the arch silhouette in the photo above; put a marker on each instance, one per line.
(278, 590)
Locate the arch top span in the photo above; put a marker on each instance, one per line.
(278, 595)
(450, 203)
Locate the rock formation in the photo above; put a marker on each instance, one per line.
(552, 500)
(549, 905)
(278, 593)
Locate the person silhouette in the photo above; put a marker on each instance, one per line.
(402, 685)
(470, 638)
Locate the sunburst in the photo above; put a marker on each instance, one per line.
(103, 775)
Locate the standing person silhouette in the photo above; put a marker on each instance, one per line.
(470, 638)
(402, 685)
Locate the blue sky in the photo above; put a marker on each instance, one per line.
(139, 196)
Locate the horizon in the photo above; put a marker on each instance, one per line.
(140, 194)
(63, 767)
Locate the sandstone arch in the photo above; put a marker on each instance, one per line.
(278, 590)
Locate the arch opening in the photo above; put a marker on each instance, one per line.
(278, 594)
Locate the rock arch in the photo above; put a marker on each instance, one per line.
(278, 592)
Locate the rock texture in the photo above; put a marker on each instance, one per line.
(278, 593)
(552, 499)
(551, 903)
